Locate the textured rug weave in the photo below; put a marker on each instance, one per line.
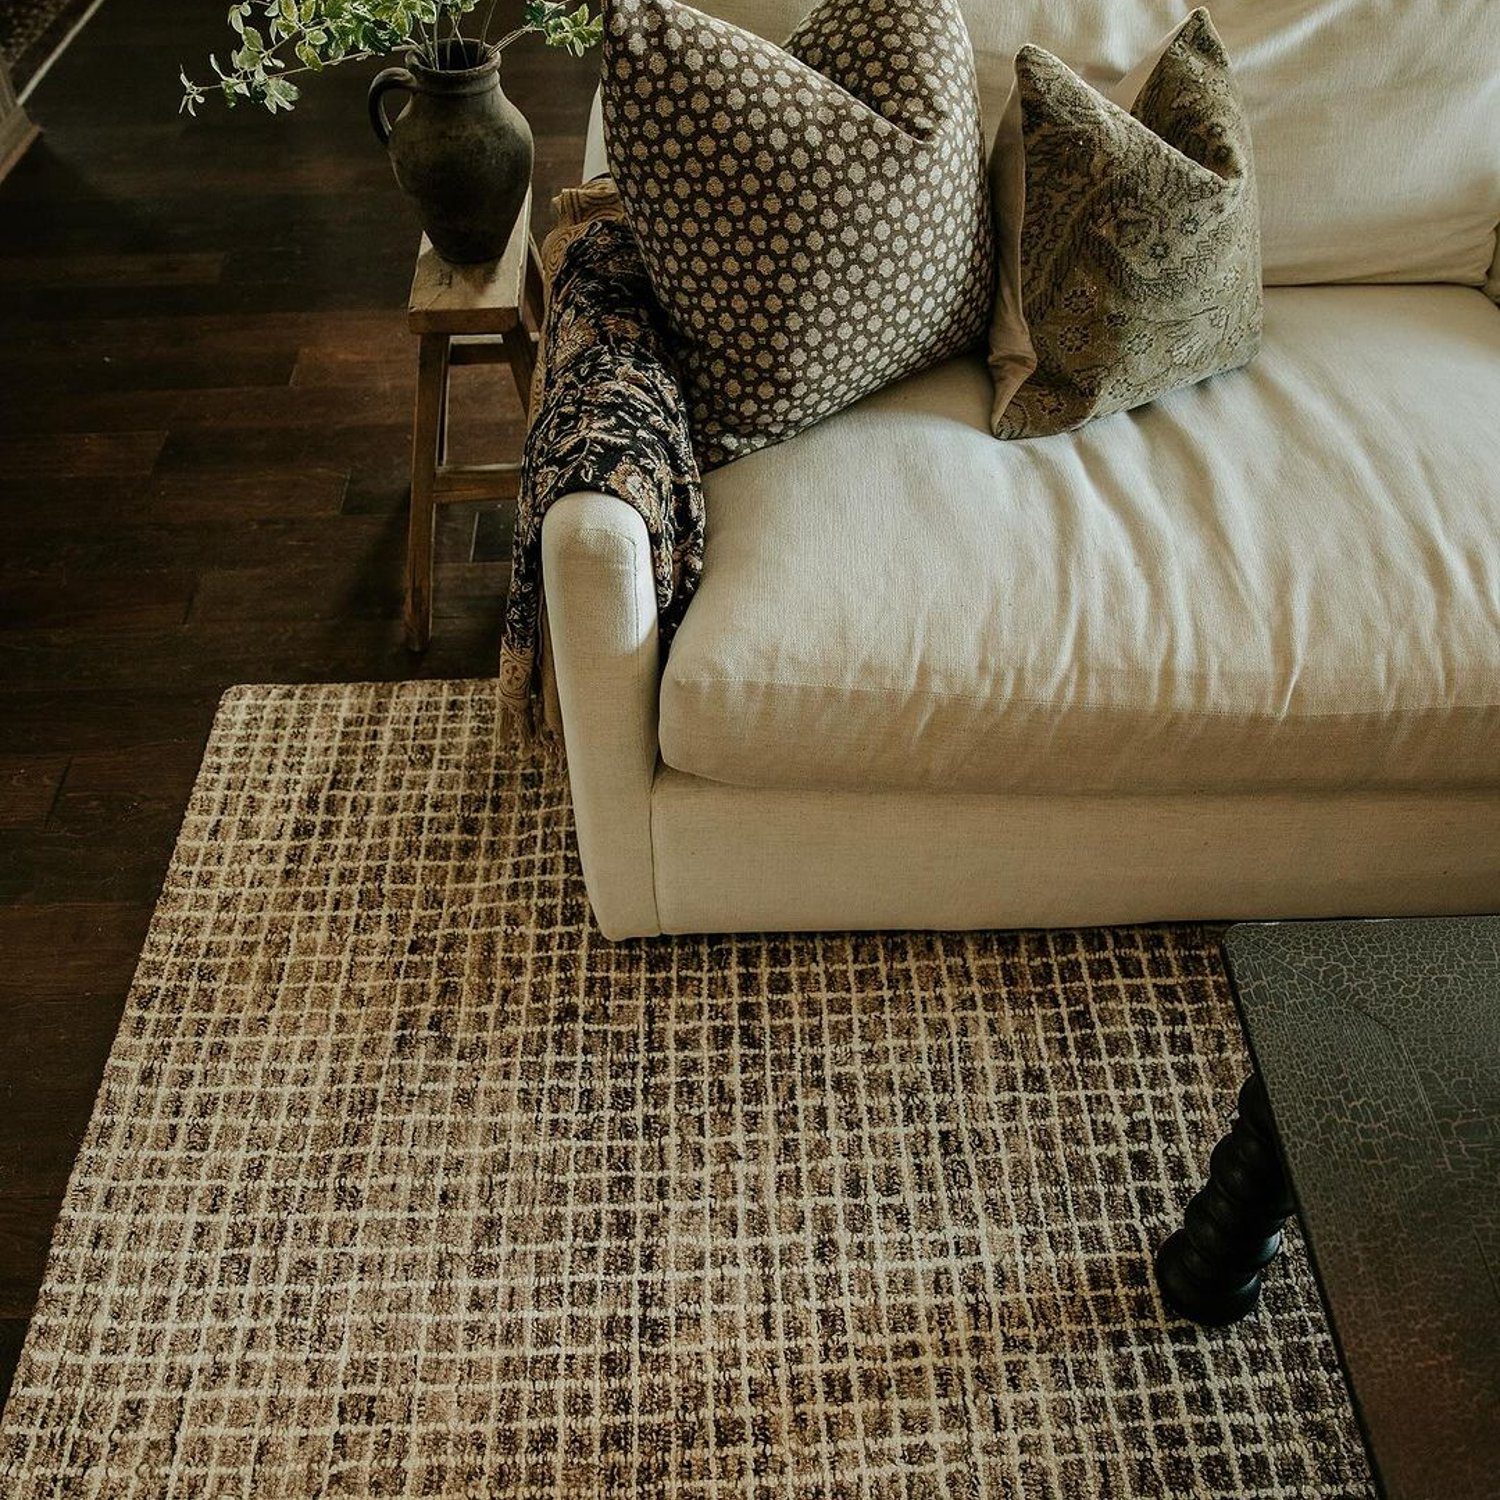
(401, 1181)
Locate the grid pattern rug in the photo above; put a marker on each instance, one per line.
(401, 1181)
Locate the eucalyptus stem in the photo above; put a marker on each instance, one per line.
(319, 34)
(489, 20)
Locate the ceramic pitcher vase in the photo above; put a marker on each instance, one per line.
(460, 149)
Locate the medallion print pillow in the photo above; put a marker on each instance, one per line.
(1128, 237)
(814, 218)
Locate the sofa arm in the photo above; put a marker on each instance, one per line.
(601, 614)
(595, 160)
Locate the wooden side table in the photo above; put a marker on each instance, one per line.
(1377, 1048)
(463, 315)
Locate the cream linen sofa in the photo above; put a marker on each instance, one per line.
(1235, 654)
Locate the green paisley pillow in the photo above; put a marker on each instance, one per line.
(1129, 243)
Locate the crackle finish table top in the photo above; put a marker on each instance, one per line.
(1379, 1044)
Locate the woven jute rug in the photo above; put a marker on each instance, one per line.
(402, 1181)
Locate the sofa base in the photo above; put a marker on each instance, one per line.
(736, 859)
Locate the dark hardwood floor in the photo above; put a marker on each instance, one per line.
(205, 390)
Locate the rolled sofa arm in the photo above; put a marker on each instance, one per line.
(595, 159)
(601, 615)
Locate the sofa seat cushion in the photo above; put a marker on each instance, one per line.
(1286, 576)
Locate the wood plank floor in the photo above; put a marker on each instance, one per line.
(205, 390)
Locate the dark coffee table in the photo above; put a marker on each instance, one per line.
(1377, 1050)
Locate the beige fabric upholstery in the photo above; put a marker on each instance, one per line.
(1285, 577)
(595, 162)
(732, 859)
(1342, 440)
(601, 613)
(1376, 147)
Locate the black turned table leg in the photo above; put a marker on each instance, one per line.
(1210, 1270)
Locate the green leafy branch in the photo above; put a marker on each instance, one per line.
(279, 40)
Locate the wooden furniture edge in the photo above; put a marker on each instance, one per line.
(481, 299)
(463, 315)
(17, 131)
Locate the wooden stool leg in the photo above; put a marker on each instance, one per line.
(442, 431)
(533, 294)
(427, 442)
(521, 352)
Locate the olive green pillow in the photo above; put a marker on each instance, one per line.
(1129, 243)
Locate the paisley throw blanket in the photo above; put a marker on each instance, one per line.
(607, 415)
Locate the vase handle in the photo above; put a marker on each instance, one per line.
(382, 84)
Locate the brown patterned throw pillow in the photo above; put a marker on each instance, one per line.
(1129, 243)
(814, 218)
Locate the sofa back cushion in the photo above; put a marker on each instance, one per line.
(1373, 121)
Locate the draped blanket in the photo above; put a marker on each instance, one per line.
(607, 415)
